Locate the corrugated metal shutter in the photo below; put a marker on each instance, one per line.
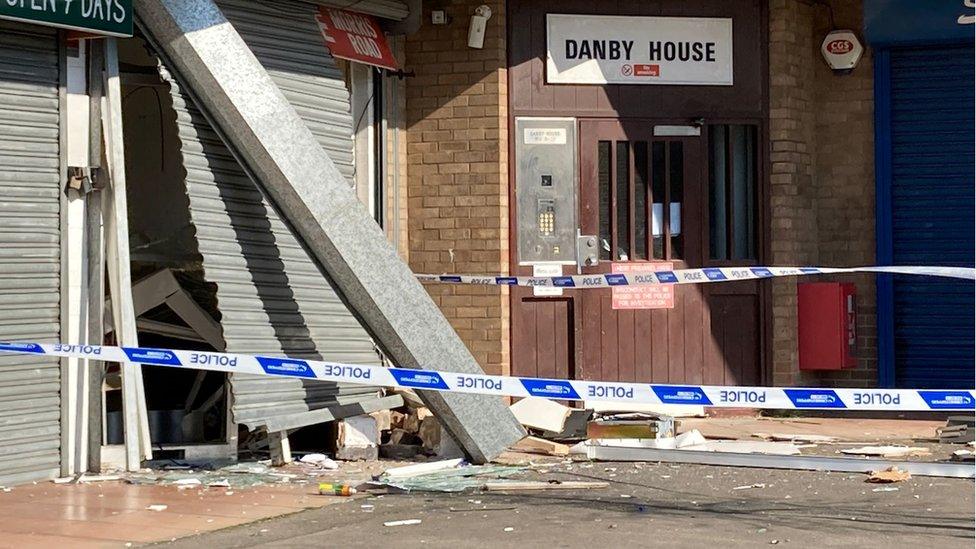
(285, 37)
(932, 197)
(387, 9)
(272, 296)
(30, 251)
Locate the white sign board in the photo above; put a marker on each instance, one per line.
(606, 49)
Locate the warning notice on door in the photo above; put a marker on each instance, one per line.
(659, 296)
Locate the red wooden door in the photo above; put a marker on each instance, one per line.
(641, 196)
(647, 200)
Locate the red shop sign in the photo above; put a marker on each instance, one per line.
(356, 37)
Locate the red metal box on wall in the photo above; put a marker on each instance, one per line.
(827, 325)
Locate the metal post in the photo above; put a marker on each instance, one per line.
(135, 415)
(95, 249)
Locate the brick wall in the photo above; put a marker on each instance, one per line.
(457, 166)
(822, 176)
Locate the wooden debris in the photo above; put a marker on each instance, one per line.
(536, 445)
(509, 486)
(888, 451)
(889, 475)
(412, 422)
(429, 433)
(796, 437)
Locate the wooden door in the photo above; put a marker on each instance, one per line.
(646, 198)
(628, 182)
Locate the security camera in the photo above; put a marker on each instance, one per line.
(479, 22)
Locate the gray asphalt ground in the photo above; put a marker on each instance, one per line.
(646, 505)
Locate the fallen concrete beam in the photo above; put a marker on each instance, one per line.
(263, 129)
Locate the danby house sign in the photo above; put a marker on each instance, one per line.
(109, 17)
(603, 49)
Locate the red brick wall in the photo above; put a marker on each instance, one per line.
(822, 177)
(457, 166)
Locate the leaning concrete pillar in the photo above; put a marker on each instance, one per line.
(262, 127)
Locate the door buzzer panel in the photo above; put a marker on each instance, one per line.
(545, 190)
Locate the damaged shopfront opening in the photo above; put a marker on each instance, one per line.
(212, 263)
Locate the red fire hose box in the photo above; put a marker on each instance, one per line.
(827, 325)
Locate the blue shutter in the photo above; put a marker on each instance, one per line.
(932, 200)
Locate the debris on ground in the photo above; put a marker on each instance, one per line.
(693, 440)
(85, 478)
(357, 438)
(459, 478)
(550, 419)
(329, 489)
(319, 460)
(889, 475)
(418, 469)
(672, 410)
(157, 507)
(748, 486)
(958, 430)
(963, 455)
(796, 438)
(888, 451)
(631, 425)
(536, 445)
(516, 485)
(406, 522)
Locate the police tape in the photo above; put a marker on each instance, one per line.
(687, 276)
(771, 398)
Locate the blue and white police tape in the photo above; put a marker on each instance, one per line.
(687, 276)
(730, 397)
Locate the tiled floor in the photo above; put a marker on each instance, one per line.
(112, 514)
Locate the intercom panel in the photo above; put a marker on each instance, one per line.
(545, 190)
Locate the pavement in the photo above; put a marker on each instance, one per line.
(646, 505)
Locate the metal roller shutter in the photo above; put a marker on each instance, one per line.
(286, 39)
(272, 296)
(30, 251)
(932, 198)
(387, 9)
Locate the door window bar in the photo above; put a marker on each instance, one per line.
(641, 187)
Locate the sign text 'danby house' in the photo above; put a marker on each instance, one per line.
(598, 49)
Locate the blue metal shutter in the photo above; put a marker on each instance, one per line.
(932, 201)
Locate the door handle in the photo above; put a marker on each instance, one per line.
(587, 251)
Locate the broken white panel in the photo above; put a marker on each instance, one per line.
(541, 413)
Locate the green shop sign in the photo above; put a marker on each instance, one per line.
(111, 17)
